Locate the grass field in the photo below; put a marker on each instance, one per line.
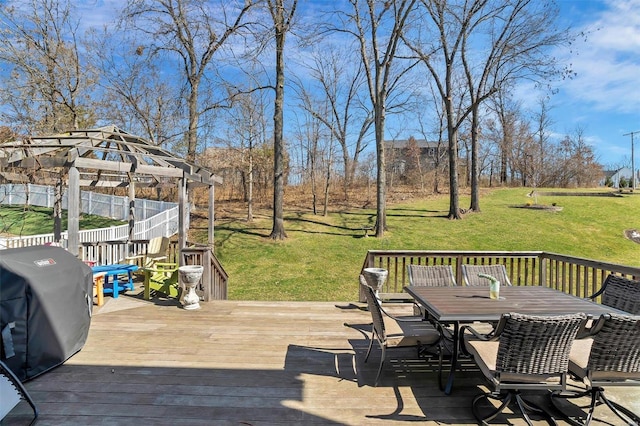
(18, 220)
(322, 256)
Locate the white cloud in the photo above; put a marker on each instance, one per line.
(606, 61)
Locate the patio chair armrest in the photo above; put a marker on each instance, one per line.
(173, 265)
(133, 258)
(487, 337)
(162, 267)
(155, 257)
(401, 319)
(591, 326)
(596, 294)
(476, 335)
(137, 260)
(602, 288)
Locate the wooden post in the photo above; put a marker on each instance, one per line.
(132, 208)
(73, 212)
(211, 216)
(182, 206)
(57, 210)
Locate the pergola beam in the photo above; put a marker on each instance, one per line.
(129, 160)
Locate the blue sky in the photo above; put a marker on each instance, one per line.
(603, 99)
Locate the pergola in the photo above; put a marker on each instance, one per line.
(105, 157)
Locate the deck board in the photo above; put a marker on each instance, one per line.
(245, 363)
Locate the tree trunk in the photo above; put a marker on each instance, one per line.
(192, 136)
(452, 132)
(475, 167)
(250, 189)
(381, 220)
(278, 232)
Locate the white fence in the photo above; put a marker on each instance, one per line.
(112, 206)
(161, 224)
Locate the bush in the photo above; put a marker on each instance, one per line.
(623, 183)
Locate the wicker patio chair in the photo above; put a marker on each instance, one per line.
(11, 392)
(431, 275)
(396, 332)
(620, 293)
(471, 278)
(526, 352)
(609, 357)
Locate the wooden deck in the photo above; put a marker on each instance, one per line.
(246, 363)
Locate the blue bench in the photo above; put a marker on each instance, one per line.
(112, 284)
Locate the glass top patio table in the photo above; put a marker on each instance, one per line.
(462, 304)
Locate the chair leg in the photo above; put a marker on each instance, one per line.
(371, 339)
(505, 400)
(623, 413)
(525, 405)
(12, 380)
(382, 356)
(597, 397)
(555, 396)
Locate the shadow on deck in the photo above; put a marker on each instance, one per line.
(246, 363)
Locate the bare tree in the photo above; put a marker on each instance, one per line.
(543, 122)
(247, 129)
(339, 82)
(494, 44)
(49, 85)
(501, 130)
(282, 19)
(432, 128)
(437, 47)
(520, 34)
(149, 103)
(377, 28)
(311, 134)
(192, 31)
(578, 164)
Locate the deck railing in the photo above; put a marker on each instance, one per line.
(164, 224)
(214, 277)
(574, 275)
(213, 285)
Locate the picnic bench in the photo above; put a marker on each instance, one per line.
(112, 273)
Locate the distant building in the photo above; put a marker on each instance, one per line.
(623, 173)
(431, 154)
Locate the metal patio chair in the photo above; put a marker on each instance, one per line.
(526, 352)
(431, 275)
(396, 332)
(12, 392)
(620, 293)
(470, 274)
(610, 356)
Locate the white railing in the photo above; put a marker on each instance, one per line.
(161, 224)
(164, 224)
(112, 206)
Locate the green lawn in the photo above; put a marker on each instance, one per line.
(322, 256)
(18, 220)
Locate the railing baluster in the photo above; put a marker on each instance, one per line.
(573, 275)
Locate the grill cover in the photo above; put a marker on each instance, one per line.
(46, 298)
